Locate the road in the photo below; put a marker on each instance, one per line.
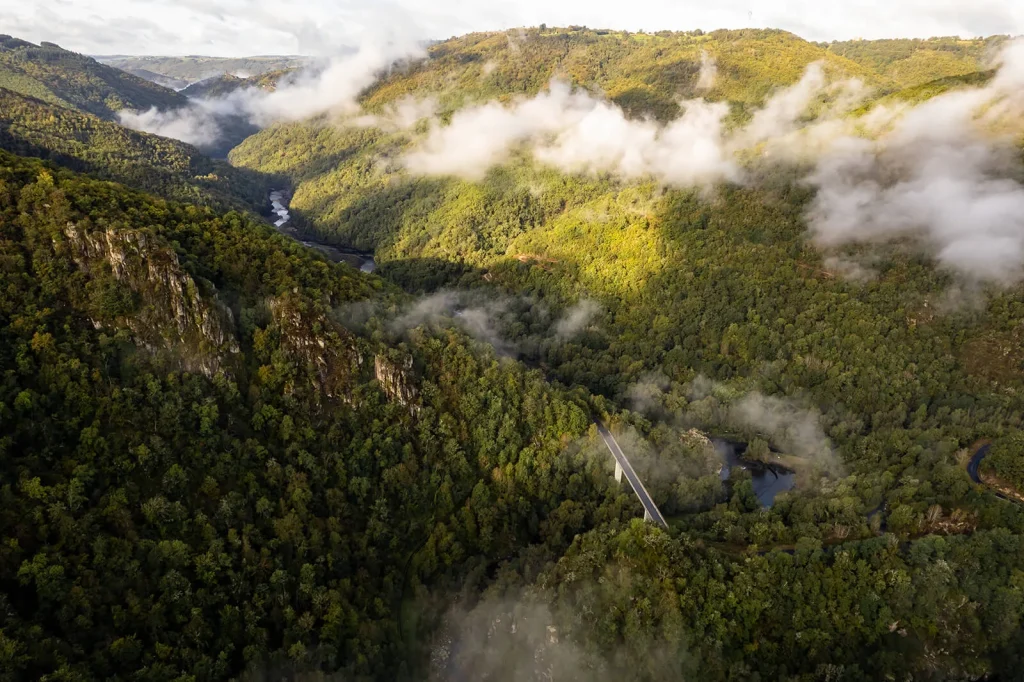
(634, 480)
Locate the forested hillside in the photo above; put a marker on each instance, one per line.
(206, 473)
(204, 470)
(57, 76)
(686, 283)
(164, 167)
(913, 62)
(643, 73)
(218, 86)
(225, 457)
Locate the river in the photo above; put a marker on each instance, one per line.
(357, 259)
(768, 480)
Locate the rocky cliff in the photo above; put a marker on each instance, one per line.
(394, 374)
(138, 283)
(327, 350)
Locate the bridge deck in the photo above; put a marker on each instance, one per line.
(634, 480)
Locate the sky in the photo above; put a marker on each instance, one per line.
(321, 27)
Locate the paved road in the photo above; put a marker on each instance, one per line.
(634, 480)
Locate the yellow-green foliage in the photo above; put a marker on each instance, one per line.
(646, 74)
(907, 62)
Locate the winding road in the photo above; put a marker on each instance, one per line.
(650, 508)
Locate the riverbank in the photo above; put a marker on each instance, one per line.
(998, 488)
(363, 260)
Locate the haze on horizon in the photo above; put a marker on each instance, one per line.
(233, 28)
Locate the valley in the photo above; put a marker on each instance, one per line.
(359, 259)
(340, 402)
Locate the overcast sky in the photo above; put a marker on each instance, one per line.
(247, 27)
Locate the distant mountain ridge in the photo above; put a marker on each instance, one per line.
(193, 69)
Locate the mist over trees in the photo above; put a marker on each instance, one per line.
(226, 457)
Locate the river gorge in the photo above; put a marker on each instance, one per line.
(357, 259)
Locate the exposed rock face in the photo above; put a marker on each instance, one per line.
(316, 342)
(172, 312)
(395, 379)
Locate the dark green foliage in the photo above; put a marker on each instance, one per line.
(161, 522)
(205, 474)
(161, 166)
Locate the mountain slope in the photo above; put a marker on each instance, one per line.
(181, 381)
(161, 80)
(161, 166)
(724, 284)
(57, 76)
(218, 86)
(914, 62)
(195, 444)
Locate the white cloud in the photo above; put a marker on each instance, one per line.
(334, 90)
(577, 132)
(937, 178)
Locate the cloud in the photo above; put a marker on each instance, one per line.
(481, 137)
(574, 131)
(848, 269)
(193, 125)
(780, 113)
(708, 71)
(403, 114)
(577, 132)
(333, 90)
(576, 319)
(796, 430)
(648, 394)
(514, 326)
(941, 177)
(474, 315)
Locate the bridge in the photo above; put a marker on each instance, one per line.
(622, 466)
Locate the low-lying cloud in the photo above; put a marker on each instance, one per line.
(576, 319)
(486, 317)
(333, 90)
(708, 72)
(193, 125)
(942, 176)
(793, 427)
(575, 131)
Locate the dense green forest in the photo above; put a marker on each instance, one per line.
(226, 457)
(161, 166)
(725, 285)
(206, 472)
(58, 76)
